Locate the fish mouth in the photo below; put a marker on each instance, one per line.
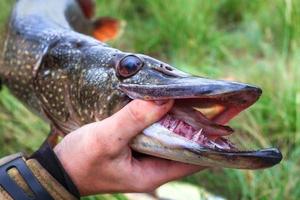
(194, 131)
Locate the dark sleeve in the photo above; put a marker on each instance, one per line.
(47, 158)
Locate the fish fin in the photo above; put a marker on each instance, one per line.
(53, 137)
(55, 133)
(107, 28)
(87, 7)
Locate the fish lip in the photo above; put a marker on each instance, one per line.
(258, 159)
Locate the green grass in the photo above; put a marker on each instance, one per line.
(250, 41)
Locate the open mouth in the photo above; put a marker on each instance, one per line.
(194, 131)
(202, 120)
(200, 129)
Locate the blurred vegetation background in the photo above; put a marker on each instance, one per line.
(249, 41)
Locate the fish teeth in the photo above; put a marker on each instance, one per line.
(218, 145)
(202, 139)
(197, 135)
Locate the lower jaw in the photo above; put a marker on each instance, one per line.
(158, 141)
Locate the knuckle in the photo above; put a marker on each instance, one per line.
(135, 113)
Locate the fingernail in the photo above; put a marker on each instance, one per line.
(161, 102)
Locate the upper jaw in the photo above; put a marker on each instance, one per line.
(234, 97)
(195, 93)
(190, 87)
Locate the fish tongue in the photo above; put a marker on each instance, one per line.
(198, 121)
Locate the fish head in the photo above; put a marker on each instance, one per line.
(194, 130)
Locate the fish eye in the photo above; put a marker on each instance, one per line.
(129, 65)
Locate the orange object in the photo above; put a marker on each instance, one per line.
(106, 28)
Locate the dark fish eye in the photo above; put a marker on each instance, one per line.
(129, 65)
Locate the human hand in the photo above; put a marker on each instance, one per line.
(98, 158)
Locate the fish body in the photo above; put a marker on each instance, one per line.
(45, 62)
(69, 78)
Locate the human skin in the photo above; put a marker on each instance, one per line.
(98, 158)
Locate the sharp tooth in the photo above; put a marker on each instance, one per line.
(217, 145)
(173, 125)
(202, 138)
(197, 135)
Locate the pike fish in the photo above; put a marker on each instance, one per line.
(54, 62)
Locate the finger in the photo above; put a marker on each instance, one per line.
(160, 171)
(132, 119)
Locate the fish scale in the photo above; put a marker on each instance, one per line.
(41, 80)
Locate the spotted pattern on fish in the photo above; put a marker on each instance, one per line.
(37, 58)
(65, 76)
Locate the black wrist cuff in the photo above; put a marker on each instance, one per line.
(13, 189)
(47, 158)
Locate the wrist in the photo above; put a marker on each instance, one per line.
(49, 160)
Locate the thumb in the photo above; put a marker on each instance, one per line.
(132, 119)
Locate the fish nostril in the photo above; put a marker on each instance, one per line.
(166, 67)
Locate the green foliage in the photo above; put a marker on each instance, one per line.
(20, 130)
(250, 41)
